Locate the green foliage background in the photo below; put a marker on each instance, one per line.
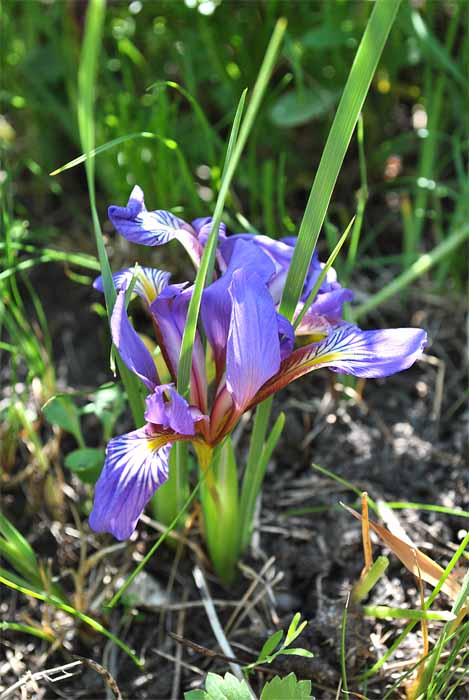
(212, 58)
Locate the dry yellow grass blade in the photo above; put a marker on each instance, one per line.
(412, 688)
(413, 559)
(367, 550)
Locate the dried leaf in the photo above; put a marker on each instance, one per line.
(413, 559)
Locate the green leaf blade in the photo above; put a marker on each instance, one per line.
(350, 105)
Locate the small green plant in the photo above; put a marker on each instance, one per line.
(276, 645)
(228, 687)
(34, 579)
(106, 404)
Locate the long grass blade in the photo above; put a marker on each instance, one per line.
(26, 629)
(419, 268)
(351, 103)
(87, 74)
(206, 266)
(103, 148)
(56, 602)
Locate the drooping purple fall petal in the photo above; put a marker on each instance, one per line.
(349, 350)
(136, 465)
(131, 348)
(139, 225)
(153, 228)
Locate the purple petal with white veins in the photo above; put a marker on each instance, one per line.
(168, 409)
(131, 348)
(136, 465)
(149, 281)
(138, 225)
(253, 348)
(349, 350)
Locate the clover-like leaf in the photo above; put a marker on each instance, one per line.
(226, 687)
(288, 688)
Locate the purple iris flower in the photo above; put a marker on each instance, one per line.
(250, 344)
(153, 228)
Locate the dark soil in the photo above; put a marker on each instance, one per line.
(399, 439)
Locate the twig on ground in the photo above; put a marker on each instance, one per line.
(105, 675)
(184, 664)
(217, 629)
(241, 605)
(52, 675)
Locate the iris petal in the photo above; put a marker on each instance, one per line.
(286, 336)
(330, 304)
(170, 312)
(149, 281)
(168, 409)
(217, 300)
(253, 348)
(136, 465)
(203, 225)
(130, 346)
(349, 350)
(139, 225)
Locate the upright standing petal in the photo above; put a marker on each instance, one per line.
(203, 225)
(253, 348)
(217, 300)
(136, 465)
(149, 281)
(169, 410)
(130, 346)
(276, 251)
(170, 313)
(330, 304)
